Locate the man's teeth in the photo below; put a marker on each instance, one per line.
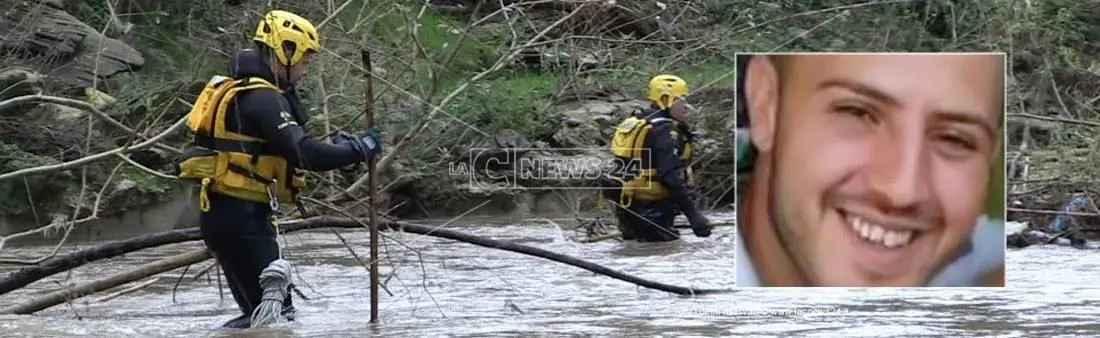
(878, 234)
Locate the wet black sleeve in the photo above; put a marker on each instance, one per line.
(265, 109)
(666, 160)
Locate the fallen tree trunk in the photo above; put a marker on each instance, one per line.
(597, 230)
(618, 235)
(60, 296)
(1028, 238)
(55, 265)
(130, 289)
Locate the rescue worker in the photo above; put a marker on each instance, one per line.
(654, 149)
(249, 148)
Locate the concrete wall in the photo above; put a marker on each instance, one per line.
(181, 211)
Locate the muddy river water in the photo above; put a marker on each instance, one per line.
(444, 288)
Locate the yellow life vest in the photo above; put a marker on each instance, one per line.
(636, 179)
(232, 163)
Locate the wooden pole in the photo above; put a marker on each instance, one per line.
(373, 187)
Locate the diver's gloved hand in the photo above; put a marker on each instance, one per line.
(368, 145)
(700, 225)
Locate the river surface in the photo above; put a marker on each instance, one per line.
(444, 288)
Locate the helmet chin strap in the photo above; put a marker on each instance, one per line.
(285, 76)
(286, 71)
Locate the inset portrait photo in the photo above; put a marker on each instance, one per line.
(870, 169)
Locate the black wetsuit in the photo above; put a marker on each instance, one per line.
(239, 232)
(652, 221)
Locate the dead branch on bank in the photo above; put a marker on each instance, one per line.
(92, 158)
(61, 223)
(598, 229)
(128, 290)
(1070, 238)
(85, 106)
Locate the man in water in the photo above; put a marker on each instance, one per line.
(871, 169)
(655, 151)
(249, 146)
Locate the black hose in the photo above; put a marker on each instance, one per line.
(435, 231)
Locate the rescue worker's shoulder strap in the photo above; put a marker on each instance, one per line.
(229, 88)
(250, 83)
(247, 84)
(241, 84)
(217, 80)
(654, 122)
(226, 85)
(659, 120)
(630, 123)
(642, 121)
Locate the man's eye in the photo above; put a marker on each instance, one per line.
(960, 141)
(956, 144)
(858, 112)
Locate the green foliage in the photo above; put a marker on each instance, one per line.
(995, 201)
(58, 190)
(42, 189)
(134, 187)
(518, 101)
(1068, 27)
(439, 36)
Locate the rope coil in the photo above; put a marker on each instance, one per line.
(275, 281)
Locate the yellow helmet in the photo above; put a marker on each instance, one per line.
(280, 27)
(665, 89)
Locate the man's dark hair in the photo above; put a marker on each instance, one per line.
(741, 109)
(269, 54)
(265, 52)
(779, 61)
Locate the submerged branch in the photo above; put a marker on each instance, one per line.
(57, 297)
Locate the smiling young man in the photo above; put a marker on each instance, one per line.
(871, 170)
